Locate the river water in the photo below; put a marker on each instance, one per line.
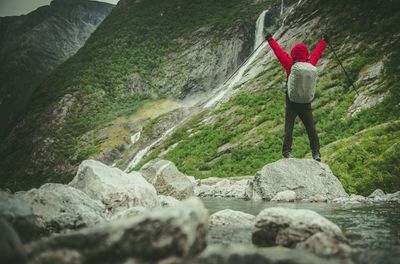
(374, 227)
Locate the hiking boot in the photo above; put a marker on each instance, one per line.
(317, 157)
(287, 155)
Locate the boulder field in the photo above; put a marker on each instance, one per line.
(105, 215)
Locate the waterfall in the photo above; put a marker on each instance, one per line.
(282, 4)
(259, 35)
(259, 38)
(141, 153)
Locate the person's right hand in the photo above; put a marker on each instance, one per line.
(268, 35)
(326, 38)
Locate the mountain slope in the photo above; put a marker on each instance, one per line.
(359, 130)
(144, 51)
(119, 98)
(32, 45)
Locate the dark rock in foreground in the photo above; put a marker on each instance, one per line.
(175, 233)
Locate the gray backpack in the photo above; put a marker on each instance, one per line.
(302, 82)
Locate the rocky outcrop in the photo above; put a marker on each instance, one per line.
(175, 233)
(307, 178)
(231, 218)
(288, 227)
(167, 179)
(244, 254)
(33, 45)
(114, 188)
(58, 207)
(20, 216)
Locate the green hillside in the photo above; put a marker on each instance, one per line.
(91, 88)
(138, 59)
(362, 150)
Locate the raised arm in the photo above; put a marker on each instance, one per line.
(282, 56)
(317, 53)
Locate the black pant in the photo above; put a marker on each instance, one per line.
(305, 113)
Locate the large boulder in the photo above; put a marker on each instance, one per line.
(113, 187)
(308, 178)
(287, 227)
(167, 179)
(58, 207)
(20, 216)
(232, 218)
(176, 233)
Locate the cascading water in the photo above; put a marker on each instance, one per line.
(259, 38)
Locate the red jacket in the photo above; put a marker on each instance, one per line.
(299, 52)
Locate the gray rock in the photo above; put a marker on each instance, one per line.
(130, 212)
(285, 196)
(325, 246)
(11, 249)
(394, 196)
(231, 218)
(167, 200)
(378, 193)
(306, 177)
(175, 232)
(20, 216)
(167, 179)
(287, 227)
(58, 207)
(223, 188)
(244, 254)
(114, 188)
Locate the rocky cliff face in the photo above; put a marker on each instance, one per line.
(33, 45)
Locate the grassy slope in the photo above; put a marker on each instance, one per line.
(135, 38)
(255, 126)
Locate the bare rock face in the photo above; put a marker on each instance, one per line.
(305, 177)
(33, 45)
(176, 233)
(58, 207)
(232, 218)
(114, 188)
(287, 227)
(167, 179)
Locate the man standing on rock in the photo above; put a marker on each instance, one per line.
(301, 71)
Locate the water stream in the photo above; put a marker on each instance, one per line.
(375, 227)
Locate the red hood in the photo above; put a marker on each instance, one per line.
(300, 52)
